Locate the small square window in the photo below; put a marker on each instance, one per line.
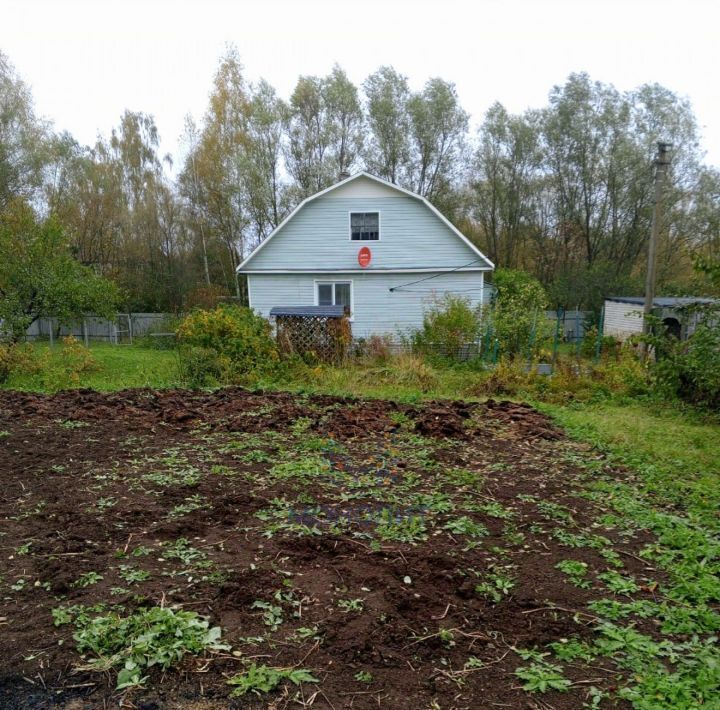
(364, 226)
(334, 293)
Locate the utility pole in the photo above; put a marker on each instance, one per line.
(662, 161)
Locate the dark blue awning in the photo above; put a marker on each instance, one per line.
(309, 311)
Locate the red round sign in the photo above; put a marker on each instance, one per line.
(364, 257)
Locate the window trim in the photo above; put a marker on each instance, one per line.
(317, 282)
(364, 241)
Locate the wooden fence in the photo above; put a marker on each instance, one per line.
(123, 329)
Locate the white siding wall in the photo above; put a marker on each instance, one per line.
(317, 238)
(377, 310)
(363, 188)
(622, 319)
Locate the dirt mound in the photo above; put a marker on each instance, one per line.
(357, 420)
(445, 420)
(526, 418)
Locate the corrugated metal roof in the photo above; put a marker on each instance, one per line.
(322, 311)
(663, 301)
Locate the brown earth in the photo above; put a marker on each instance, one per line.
(77, 496)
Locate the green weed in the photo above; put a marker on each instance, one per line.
(465, 526)
(399, 528)
(264, 679)
(348, 605)
(158, 636)
(87, 579)
(576, 572)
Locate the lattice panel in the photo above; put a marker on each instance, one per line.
(319, 337)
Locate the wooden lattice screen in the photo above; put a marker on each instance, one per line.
(319, 337)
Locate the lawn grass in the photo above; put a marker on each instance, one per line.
(673, 437)
(116, 367)
(120, 367)
(675, 450)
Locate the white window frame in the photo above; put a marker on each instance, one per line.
(333, 282)
(364, 241)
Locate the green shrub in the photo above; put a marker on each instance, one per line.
(158, 636)
(517, 318)
(201, 367)
(62, 369)
(449, 325)
(508, 378)
(224, 345)
(609, 346)
(625, 375)
(53, 369)
(691, 369)
(8, 361)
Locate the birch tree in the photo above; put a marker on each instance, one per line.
(23, 138)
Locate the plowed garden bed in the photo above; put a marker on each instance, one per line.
(404, 556)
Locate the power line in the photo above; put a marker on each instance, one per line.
(434, 276)
(447, 290)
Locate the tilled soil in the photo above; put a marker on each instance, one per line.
(92, 482)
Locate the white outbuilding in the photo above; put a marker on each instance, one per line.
(624, 315)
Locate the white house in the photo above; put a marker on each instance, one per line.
(381, 250)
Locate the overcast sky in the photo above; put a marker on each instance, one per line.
(87, 61)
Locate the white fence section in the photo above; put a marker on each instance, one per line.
(123, 329)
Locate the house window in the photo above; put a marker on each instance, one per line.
(364, 226)
(334, 293)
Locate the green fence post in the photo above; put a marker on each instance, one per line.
(578, 338)
(531, 341)
(601, 326)
(558, 315)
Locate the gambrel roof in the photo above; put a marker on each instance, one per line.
(481, 263)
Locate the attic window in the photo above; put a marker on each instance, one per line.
(364, 226)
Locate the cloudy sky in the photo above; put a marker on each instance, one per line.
(87, 61)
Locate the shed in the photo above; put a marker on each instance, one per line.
(624, 314)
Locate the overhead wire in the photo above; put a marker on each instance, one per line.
(447, 290)
(434, 276)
